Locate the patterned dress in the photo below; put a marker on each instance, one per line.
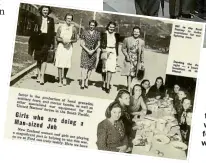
(134, 48)
(91, 41)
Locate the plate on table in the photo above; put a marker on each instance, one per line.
(175, 138)
(179, 145)
(169, 118)
(161, 139)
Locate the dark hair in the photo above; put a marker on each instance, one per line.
(189, 111)
(113, 23)
(159, 78)
(120, 93)
(41, 8)
(136, 85)
(68, 14)
(93, 21)
(185, 91)
(143, 81)
(137, 27)
(191, 102)
(114, 104)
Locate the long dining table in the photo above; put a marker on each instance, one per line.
(159, 110)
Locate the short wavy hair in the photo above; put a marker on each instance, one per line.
(113, 105)
(41, 8)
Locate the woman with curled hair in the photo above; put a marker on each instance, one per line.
(158, 89)
(90, 42)
(133, 50)
(109, 46)
(45, 40)
(66, 36)
(138, 105)
(110, 132)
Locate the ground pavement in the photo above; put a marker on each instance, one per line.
(153, 70)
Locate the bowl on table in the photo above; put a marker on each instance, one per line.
(179, 145)
(161, 139)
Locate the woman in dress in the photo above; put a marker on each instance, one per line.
(44, 42)
(66, 36)
(133, 50)
(109, 46)
(157, 90)
(138, 106)
(90, 42)
(110, 132)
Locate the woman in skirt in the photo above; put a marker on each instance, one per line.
(66, 36)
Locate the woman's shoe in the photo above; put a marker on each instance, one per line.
(64, 82)
(107, 90)
(60, 84)
(82, 87)
(188, 16)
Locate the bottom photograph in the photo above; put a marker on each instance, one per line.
(155, 123)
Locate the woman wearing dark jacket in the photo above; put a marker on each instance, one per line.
(157, 90)
(44, 40)
(109, 46)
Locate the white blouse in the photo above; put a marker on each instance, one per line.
(44, 25)
(111, 40)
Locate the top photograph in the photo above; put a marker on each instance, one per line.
(192, 10)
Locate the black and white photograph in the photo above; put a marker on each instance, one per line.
(71, 63)
(106, 52)
(190, 10)
(154, 120)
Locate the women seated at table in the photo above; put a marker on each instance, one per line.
(178, 103)
(186, 105)
(138, 106)
(157, 90)
(174, 92)
(123, 98)
(145, 88)
(111, 132)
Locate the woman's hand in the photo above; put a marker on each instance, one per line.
(158, 97)
(122, 148)
(91, 52)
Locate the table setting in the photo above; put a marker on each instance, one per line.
(158, 134)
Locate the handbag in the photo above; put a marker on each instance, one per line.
(50, 56)
(140, 72)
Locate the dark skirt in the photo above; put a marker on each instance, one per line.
(88, 61)
(42, 48)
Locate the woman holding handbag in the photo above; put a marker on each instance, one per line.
(109, 46)
(66, 36)
(133, 50)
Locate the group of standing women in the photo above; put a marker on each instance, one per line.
(115, 133)
(99, 50)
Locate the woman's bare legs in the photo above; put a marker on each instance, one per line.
(43, 69)
(89, 72)
(65, 76)
(108, 80)
(38, 70)
(60, 76)
(83, 75)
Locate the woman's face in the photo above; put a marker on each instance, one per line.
(125, 99)
(111, 28)
(136, 33)
(176, 88)
(45, 11)
(68, 19)
(159, 83)
(92, 26)
(137, 91)
(146, 84)
(181, 95)
(115, 113)
(186, 104)
(189, 119)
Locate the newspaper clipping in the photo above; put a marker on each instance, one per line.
(102, 80)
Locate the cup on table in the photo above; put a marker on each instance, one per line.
(161, 124)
